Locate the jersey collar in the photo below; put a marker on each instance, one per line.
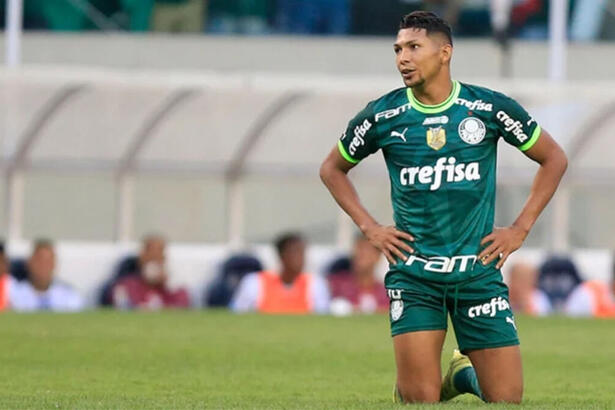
(434, 109)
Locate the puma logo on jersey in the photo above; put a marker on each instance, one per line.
(511, 321)
(446, 169)
(401, 135)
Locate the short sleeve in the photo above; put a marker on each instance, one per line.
(514, 123)
(247, 294)
(360, 138)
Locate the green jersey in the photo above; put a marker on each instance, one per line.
(441, 161)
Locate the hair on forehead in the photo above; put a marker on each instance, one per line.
(428, 21)
(286, 239)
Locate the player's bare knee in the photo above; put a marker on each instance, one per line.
(419, 392)
(512, 395)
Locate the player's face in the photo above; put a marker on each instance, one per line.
(293, 257)
(41, 266)
(420, 57)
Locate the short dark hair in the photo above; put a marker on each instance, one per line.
(286, 239)
(428, 21)
(42, 243)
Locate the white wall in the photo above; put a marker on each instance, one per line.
(348, 56)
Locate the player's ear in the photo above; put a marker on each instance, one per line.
(446, 52)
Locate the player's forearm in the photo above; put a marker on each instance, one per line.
(346, 196)
(545, 183)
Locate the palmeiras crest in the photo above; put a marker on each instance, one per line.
(397, 308)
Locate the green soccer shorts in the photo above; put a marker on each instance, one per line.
(478, 307)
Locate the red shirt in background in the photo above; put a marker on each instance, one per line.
(346, 286)
(135, 292)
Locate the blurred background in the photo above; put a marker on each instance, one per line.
(205, 121)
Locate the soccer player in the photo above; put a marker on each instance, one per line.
(439, 140)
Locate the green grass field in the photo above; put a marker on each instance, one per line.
(177, 360)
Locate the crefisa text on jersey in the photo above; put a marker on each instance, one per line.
(476, 105)
(359, 133)
(434, 174)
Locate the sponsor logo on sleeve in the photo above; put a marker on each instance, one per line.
(472, 130)
(513, 126)
(359, 134)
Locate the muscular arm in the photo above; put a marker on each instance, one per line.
(553, 164)
(333, 173)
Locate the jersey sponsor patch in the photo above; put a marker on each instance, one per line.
(444, 264)
(472, 130)
(515, 127)
(394, 112)
(445, 170)
(477, 105)
(490, 308)
(359, 133)
(442, 119)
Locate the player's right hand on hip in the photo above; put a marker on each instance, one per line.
(390, 241)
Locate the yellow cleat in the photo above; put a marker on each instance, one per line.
(397, 399)
(458, 362)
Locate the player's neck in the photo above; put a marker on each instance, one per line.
(288, 277)
(434, 92)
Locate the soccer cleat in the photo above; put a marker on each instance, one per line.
(397, 399)
(458, 362)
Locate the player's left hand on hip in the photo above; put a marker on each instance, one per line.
(502, 242)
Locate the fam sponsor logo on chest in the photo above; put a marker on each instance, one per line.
(394, 112)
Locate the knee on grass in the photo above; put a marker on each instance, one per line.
(510, 395)
(419, 393)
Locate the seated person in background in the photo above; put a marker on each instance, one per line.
(148, 289)
(4, 279)
(360, 287)
(557, 279)
(289, 291)
(524, 297)
(40, 291)
(593, 298)
(220, 291)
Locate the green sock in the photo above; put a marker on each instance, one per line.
(465, 381)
